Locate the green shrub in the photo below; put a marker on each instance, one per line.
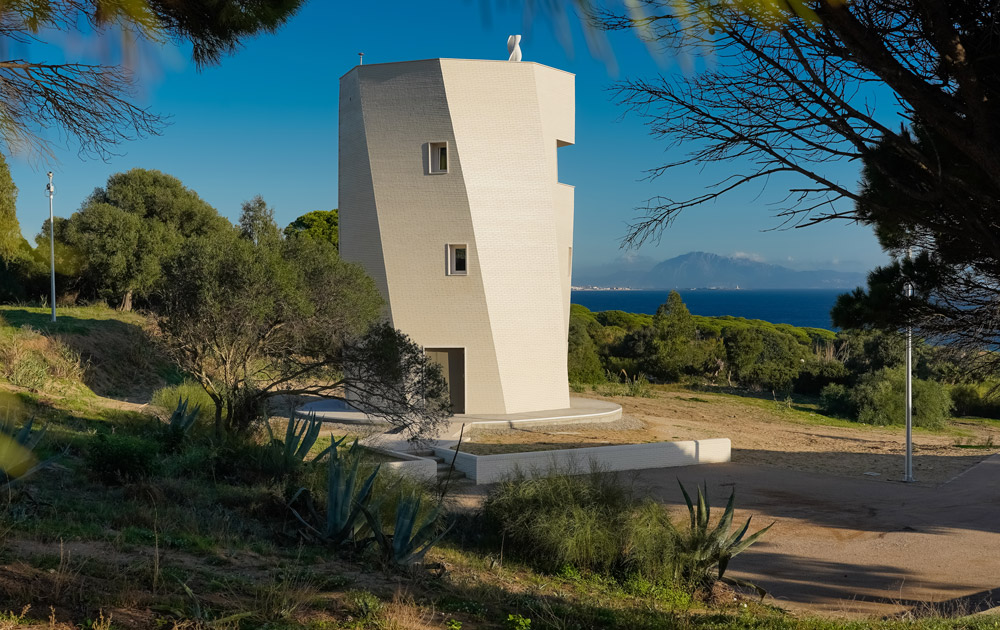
(969, 401)
(166, 399)
(582, 361)
(564, 524)
(835, 400)
(517, 622)
(590, 522)
(197, 461)
(364, 604)
(817, 373)
(879, 398)
(117, 458)
(966, 399)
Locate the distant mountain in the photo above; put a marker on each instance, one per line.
(703, 270)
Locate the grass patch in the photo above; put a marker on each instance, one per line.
(165, 400)
(117, 354)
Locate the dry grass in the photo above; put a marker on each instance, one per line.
(34, 361)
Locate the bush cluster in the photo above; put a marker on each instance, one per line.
(674, 345)
(879, 398)
(969, 400)
(591, 522)
(594, 523)
(116, 458)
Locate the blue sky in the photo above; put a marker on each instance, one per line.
(265, 122)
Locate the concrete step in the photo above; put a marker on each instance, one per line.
(454, 475)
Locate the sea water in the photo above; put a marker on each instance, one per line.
(798, 307)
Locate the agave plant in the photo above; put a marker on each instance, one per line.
(411, 537)
(300, 437)
(17, 458)
(181, 420)
(180, 423)
(703, 554)
(345, 500)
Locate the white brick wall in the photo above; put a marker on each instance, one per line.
(502, 122)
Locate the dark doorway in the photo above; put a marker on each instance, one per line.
(452, 362)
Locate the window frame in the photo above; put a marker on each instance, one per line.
(451, 259)
(434, 158)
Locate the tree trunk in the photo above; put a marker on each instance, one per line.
(126, 304)
(218, 419)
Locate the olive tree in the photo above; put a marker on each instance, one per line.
(124, 232)
(254, 320)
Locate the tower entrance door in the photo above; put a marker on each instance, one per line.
(452, 362)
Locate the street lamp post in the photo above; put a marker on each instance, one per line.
(52, 246)
(908, 466)
(908, 472)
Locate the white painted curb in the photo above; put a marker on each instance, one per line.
(485, 469)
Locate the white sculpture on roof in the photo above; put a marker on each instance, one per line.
(514, 47)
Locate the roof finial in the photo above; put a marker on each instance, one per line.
(514, 47)
(361, 59)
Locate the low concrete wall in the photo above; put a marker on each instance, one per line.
(492, 468)
(410, 465)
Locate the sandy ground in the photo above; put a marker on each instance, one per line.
(766, 433)
(847, 548)
(844, 543)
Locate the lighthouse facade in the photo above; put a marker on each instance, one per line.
(450, 199)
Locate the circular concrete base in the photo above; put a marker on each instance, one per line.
(580, 411)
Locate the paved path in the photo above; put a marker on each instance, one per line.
(849, 546)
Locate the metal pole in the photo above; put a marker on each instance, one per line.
(908, 472)
(52, 246)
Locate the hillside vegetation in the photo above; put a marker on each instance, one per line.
(141, 531)
(852, 374)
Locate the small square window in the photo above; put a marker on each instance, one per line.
(458, 260)
(438, 157)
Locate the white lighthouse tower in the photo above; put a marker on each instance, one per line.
(450, 199)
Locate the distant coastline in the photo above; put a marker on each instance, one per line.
(704, 270)
(601, 289)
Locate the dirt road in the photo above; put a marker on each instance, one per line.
(849, 539)
(848, 547)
